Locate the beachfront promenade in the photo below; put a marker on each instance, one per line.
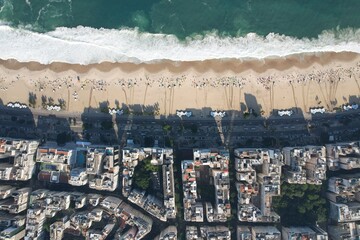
(195, 130)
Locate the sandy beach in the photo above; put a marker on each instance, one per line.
(298, 81)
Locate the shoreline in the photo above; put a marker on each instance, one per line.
(297, 81)
(300, 60)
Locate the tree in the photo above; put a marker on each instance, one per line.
(156, 109)
(32, 100)
(143, 173)
(169, 142)
(150, 167)
(104, 109)
(167, 128)
(51, 101)
(62, 103)
(141, 182)
(300, 204)
(43, 101)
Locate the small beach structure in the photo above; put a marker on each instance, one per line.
(53, 108)
(181, 113)
(16, 105)
(220, 114)
(317, 110)
(348, 107)
(285, 112)
(113, 111)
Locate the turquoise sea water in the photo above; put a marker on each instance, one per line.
(186, 19)
(298, 18)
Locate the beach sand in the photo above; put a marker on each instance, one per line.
(297, 81)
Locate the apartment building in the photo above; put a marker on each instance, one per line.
(345, 231)
(133, 217)
(305, 164)
(55, 162)
(208, 233)
(17, 202)
(169, 233)
(102, 167)
(17, 159)
(265, 233)
(57, 228)
(345, 212)
(160, 208)
(258, 173)
(35, 219)
(12, 227)
(343, 155)
(213, 163)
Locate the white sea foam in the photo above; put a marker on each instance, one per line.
(86, 45)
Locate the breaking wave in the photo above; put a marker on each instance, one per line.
(85, 45)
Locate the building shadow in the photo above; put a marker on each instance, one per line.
(56, 129)
(137, 122)
(252, 103)
(354, 99)
(18, 123)
(98, 126)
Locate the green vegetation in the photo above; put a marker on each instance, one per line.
(32, 100)
(50, 101)
(104, 108)
(246, 115)
(62, 104)
(300, 204)
(167, 128)
(143, 173)
(169, 142)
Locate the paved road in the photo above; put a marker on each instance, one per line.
(229, 129)
(101, 116)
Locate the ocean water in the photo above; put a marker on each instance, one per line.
(91, 31)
